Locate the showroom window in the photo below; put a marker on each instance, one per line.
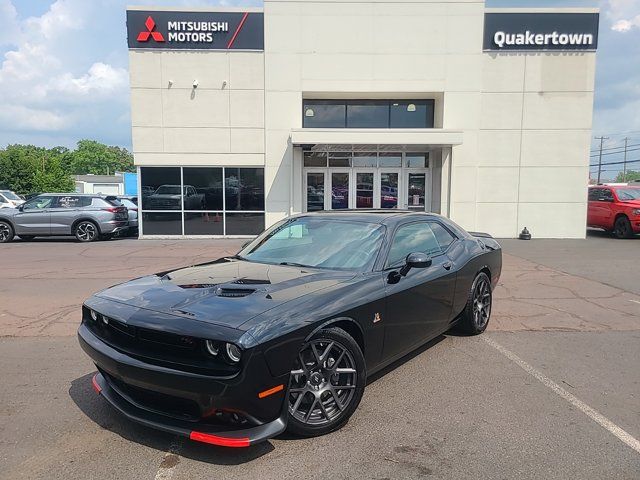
(202, 200)
(367, 113)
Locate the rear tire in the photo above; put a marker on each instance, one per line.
(622, 228)
(317, 405)
(6, 232)
(86, 231)
(476, 314)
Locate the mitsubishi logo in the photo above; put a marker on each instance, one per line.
(151, 25)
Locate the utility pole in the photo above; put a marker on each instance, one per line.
(624, 165)
(602, 139)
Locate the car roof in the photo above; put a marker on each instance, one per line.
(382, 216)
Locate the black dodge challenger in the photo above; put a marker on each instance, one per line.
(284, 334)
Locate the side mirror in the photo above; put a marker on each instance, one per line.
(21, 207)
(415, 260)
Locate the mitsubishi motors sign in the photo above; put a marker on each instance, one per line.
(195, 30)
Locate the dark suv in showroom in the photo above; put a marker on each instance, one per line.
(85, 216)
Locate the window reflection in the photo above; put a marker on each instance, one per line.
(244, 188)
(160, 188)
(203, 188)
(388, 190)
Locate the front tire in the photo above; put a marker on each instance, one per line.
(327, 383)
(6, 232)
(476, 314)
(622, 228)
(86, 231)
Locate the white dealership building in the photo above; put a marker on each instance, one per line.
(241, 117)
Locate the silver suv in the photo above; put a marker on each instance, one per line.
(87, 217)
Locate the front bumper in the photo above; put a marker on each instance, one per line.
(215, 436)
(122, 377)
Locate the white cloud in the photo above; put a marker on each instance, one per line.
(623, 14)
(101, 81)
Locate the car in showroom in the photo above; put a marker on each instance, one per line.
(615, 209)
(284, 334)
(87, 217)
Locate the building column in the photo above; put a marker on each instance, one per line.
(445, 186)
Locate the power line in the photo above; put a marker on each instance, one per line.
(597, 149)
(614, 163)
(620, 151)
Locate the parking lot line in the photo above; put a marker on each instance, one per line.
(169, 460)
(572, 399)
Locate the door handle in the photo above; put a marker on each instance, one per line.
(447, 265)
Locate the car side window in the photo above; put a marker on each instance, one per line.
(2, 199)
(69, 201)
(414, 237)
(594, 194)
(442, 235)
(38, 203)
(607, 195)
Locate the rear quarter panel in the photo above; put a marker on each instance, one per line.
(478, 256)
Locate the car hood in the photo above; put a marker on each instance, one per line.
(164, 196)
(225, 292)
(632, 203)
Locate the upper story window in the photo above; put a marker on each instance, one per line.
(367, 113)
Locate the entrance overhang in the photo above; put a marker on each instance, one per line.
(380, 139)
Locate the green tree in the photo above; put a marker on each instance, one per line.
(629, 177)
(97, 158)
(53, 178)
(18, 164)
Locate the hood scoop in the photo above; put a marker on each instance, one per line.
(234, 292)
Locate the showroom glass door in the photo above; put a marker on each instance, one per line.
(339, 188)
(416, 190)
(388, 188)
(314, 190)
(364, 188)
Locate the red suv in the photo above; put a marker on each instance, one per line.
(615, 208)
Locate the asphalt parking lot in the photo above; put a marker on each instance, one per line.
(551, 390)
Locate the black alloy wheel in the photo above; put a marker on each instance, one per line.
(477, 312)
(327, 383)
(6, 232)
(86, 231)
(622, 228)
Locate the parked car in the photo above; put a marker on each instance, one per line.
(168, 197)
(9, 199)
(615, 208)
(86, 216)
(131, 202)
(285, 333)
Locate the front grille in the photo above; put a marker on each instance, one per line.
(176, 407)
(179, 352)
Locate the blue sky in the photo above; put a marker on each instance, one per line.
(63, 69)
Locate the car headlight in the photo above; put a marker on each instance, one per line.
(636, 211)
(229, 352)
(94, 315)
(233, 352)
(212, 347)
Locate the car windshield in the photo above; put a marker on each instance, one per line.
(632, 193)
(168, 190)
(318, 243)
(10, 195)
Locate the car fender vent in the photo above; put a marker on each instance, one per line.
(234, 292)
